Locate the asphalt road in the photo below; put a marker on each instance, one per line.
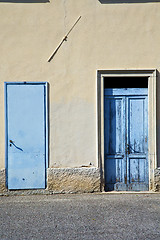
(85, 216)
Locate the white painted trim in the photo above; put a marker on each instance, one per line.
(152, 135)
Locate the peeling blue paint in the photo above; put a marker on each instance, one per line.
(126, 131)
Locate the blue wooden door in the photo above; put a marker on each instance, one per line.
(26, 135)
(126, 139)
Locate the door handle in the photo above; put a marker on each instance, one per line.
(12, 143)
(128, 149)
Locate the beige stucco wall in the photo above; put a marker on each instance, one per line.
(108, 36)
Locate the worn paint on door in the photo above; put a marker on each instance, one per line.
(26, 143)
(126, 139)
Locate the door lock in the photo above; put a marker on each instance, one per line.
(10, 143)
(127, 149)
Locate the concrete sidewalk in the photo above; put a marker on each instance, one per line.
(80, 216)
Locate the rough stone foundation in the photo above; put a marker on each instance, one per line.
(68, 180)
(61, 180)
(73, 180)
(157, 180)
(3, 181)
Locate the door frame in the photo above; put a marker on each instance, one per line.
(151, 74)
(45, 84)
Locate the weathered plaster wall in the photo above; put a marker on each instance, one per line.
(108, 36)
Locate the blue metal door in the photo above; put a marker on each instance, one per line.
(126, 139)
(26, 135)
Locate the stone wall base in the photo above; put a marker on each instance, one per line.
(3, 181)
(157, 180)
(74, 180)
(61, 180)
(68, 180)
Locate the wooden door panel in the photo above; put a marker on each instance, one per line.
(136, 124)
(114, 171)
(114, 140)
(126, 143)
(137, 158)
(137, 170)
(114, 109)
